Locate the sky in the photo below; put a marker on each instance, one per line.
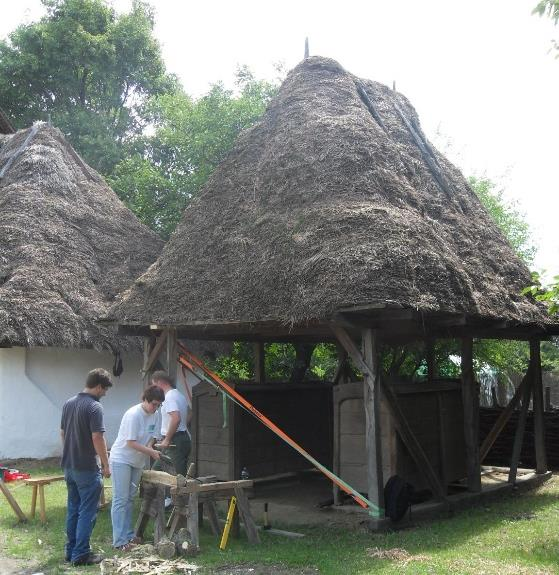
(481, 74)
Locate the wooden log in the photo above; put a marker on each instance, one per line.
(371, 401)
(537, 390)
(159, 478)
(156, 351)
(519, 435)
(470, 399)
(245, 514)
(196, 487)
(172, 352)
(159, 503)
(503, 418)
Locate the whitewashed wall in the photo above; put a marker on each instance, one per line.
(35, 383)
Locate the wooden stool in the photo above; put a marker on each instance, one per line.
(38, 484)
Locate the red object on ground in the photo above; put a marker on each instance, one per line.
(14, 475)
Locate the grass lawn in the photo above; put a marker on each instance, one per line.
(516, 535)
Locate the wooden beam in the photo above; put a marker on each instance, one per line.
(402, 425)
(155, 352)
(521, 425)
(470, 400)
(503, 418)
(430, 358)
(259, 362)
(539, 423)
(13, 503)
(371, 401)
(172, 352)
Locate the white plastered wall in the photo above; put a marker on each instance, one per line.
(35, 383)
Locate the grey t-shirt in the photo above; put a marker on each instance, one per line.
(82, 415)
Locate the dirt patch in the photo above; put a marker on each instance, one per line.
(12, 566)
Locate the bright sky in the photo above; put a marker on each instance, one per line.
(480, 73)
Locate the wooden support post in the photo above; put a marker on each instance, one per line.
(519, 435)
(539, 422)
(371, 400)
(470, 399)
(430, 357)
(149, 343)
(400, 421)
(503, 418)
(259, 362)
(13, 503)
(172, 353)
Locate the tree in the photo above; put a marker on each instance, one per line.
(166, 169)
(87, 69)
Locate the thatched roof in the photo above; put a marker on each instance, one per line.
(68, 245)
(334, 199)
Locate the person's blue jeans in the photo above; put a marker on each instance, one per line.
(84, 490)
(125, 484)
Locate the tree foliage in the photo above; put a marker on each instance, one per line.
(87, 69)
(189, 138)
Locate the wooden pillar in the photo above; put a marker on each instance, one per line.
(470, 399)
(172, 352)
(259, 362)
(371, 400)
(430, 357)
(539, 423)
(149, 343)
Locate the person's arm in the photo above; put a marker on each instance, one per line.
(100, 446)
(174, 421)
(146, 449)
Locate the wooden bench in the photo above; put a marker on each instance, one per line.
(38, 484)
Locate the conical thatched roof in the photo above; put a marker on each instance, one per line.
(333, 199)
(68, 245)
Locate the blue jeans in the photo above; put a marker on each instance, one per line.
(125, 484)
(84, 490)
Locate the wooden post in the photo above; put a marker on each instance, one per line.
(149, 343)
(172, 353)
(259, 362)
(371, 401)
(539, 423)
(521, 425)
(430, 357)
(13, 503)
(548, 398)
(470, 399)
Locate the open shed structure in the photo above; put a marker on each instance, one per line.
(68, 245)
(334, 219)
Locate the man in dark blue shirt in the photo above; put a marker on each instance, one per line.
(82, 430)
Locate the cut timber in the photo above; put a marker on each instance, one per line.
(13, 503)
(519, 435)
(38, 484)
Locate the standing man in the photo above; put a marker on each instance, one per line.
(82, 430)
(175, 418)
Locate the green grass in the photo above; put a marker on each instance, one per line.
(517, 534)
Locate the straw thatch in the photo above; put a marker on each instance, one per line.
(333, 199)
(67, 245)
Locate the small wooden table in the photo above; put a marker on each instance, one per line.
(38, 484)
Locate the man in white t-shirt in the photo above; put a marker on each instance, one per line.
(175, 418)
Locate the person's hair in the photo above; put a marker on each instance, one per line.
(153, 393)
(97, 377)
(162, 376)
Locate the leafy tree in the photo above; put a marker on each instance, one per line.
(87, 69)
(189, 139)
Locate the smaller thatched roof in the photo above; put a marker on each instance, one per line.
(334, 200)
(68, 245)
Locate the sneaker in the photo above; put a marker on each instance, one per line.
(168, 502)
(89, 559)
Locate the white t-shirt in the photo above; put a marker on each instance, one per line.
(136, 425)
(174, 401)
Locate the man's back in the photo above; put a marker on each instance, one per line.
(82, 415)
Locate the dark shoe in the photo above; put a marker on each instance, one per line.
(89, 559)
